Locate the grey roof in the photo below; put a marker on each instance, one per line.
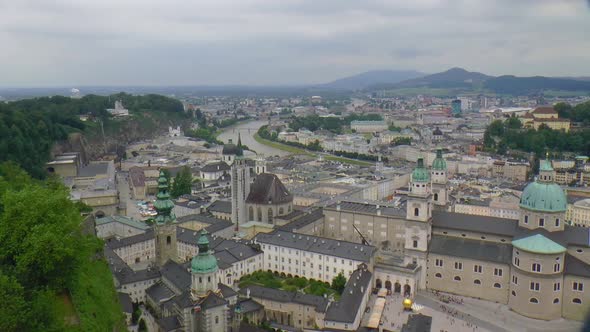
(226, 291)
(215, 224)
(177, 275)
(572, 235)
(418, 323)
(576, 267)
(319, 245)
(220, 206)
(303, 220)
(249, 305)
(123, 220)
(94, 169)
(480, 224)
(123, 273)
(184, 300)
(319, 302)
(230, 148)
(219, 166)
(346, 309)
(226, 251)
(268, 189)
(292, 215)
(370, 208)
(170, 323)
(212, 300)
(471, 249)
(127, 241)
(159, 293)
(126, 303)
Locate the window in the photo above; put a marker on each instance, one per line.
(477, 282)
(457, 278)
(578, 286)
(533, 300)
(557, 222)
(534, 286)
(458, 266)
(541, 222)
(436, 197)
(516, 261)
(497, 285)
(168, 240)
(556, 267)
(438, 275)
(415, 244)
(515, 280)
(498, 272)
(556, 286)
(416, 212)
(555, 300)
(438, 262)
(536, 267)
(577, 301)
(526, 219)
(477, 268)
(216, 319)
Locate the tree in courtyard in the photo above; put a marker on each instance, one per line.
(183, 182)
(142, 326)
(338, 283)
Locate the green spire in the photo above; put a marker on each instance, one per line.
(163, 203)
(204, 261)
(420, 173)
(239, 140)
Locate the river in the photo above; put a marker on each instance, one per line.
(247, 131)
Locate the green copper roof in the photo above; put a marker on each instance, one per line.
(163, 203)
(538, 244)
(545, 166)
(204, 261)
(439, 163)
(544, 197)
(420, 173)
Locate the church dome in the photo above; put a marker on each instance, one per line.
(204, 261)
(420, 173)
(544, 197)
(439, 162)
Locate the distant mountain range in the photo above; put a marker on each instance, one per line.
(369, 78)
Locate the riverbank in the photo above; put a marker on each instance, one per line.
(296, 150)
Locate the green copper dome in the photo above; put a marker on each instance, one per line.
(543, 197)
(545, 166)
(420, 173)
(204, 261)
(539, 244)
(439, 162)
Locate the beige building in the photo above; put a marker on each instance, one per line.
(545, 115)
(510, 170)
(578, 213)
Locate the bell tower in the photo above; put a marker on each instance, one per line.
(438, 173)
(203, 269)
(165, 227)
(418, 207)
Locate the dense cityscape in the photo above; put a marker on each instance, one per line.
(386, 200)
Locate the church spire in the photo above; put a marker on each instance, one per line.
(163, 203)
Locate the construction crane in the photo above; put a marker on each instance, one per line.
(364, 241)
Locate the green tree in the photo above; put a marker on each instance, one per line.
(14, 309)
(513, 123)
(338, 283)
(183, 182)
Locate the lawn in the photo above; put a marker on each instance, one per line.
(291, 284)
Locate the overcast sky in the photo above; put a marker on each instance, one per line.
(215, 42)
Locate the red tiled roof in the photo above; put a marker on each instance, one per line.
(544, 110)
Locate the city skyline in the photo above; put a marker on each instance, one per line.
(295, 42)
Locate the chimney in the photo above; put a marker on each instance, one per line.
(248, 293)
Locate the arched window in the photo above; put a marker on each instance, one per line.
(533, 300)
(477, 282)
(416, 212)
(555, 300)
(497, 285)
(209, 279)
(250, 214)
(168, 240)
(259, 214)
(436, 197)
(513, 293)
(270, 215)
(438, 275)
(457, 278)
(200, 280)
(577, 301)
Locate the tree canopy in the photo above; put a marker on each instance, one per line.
(183, 182)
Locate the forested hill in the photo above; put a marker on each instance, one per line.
(29, 128)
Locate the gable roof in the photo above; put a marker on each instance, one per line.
(268, 189)
(347, 308)
(471, 249)
(544, 110)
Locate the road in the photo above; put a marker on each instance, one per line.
(247, 131)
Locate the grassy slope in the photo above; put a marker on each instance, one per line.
(296, 150)
(95, 300)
